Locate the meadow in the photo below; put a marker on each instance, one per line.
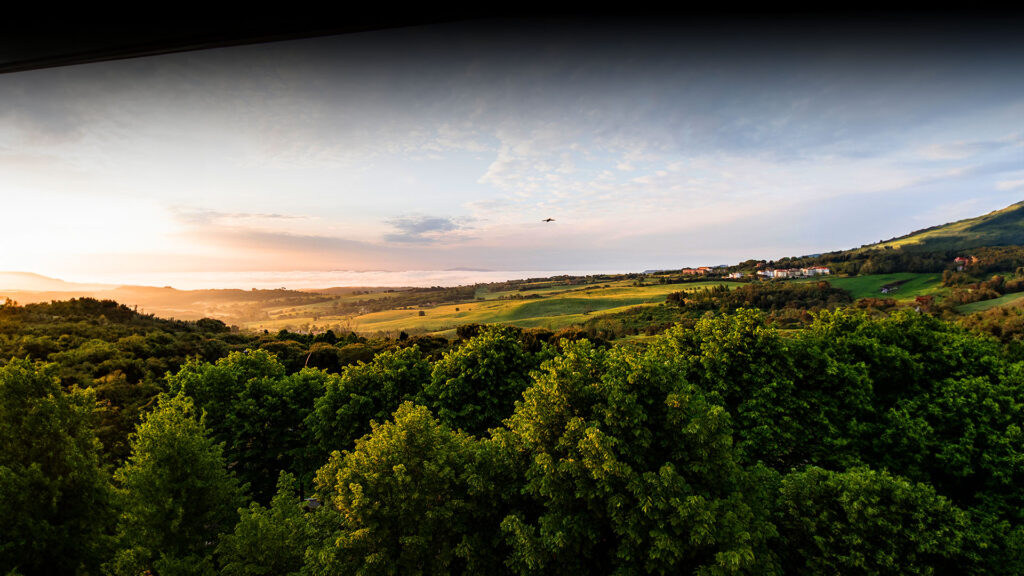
(553, 305)
(1004, 300)
(910, 285)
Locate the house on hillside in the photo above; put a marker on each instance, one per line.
(961, 261)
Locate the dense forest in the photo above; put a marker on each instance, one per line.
(860, 444)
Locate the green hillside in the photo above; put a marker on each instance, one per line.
(907, 285)
(1003, 227)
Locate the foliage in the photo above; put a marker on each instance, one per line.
(251, 401)
(266, 429)
(475, 386)
(215, 386)
(54, 493)
(648, 320)
(790, 403)
(628, 469)
(401, 502)
(89, 339)
(364, 393)
(768, 296)
(176, 494)
(862, 443)
(268, 541)
(964, 436)
(946, 404)
(122, 354)
(867, 522)
(1004, 323)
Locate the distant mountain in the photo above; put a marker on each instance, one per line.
(1003, 227)
(229, 305)
(28, 281)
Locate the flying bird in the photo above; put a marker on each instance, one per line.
(548, 220)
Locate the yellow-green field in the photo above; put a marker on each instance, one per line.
(910, 285)
(552, 306)
(1005, 300)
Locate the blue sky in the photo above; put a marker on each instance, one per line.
(652, 146)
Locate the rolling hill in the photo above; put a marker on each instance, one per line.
(1003, 227)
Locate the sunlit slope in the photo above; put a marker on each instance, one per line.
(1006, 300)
(1000, 228)
(553, 308)
(907, 285)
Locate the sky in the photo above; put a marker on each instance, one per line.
(652, 145)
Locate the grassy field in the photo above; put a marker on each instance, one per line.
(557, 304)
(1004, 300)
(552, 306)
(911, 285)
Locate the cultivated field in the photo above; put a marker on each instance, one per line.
(552, 306)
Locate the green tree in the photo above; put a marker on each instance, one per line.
(363, 393)
(964, 437)
(268, 541)
(627, 469)
(904, 353)
(215, 387)
(266, 433)
(54, 495)
(790, 402)
(288, 352)
(259, 412)
(946, 405)
(324, 355)
(402, 502)
(867, 522)
(744, 365)
(176, 494)
(475, 386)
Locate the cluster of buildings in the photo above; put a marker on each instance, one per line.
(794, 272)
(780, 273)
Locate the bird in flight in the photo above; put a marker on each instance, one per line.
(548, 220)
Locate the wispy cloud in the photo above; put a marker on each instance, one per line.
(202, 217)
(1010, 184)
(422, 229)
(962, 150)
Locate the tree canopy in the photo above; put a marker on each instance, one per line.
(176, 493)
(54, 494)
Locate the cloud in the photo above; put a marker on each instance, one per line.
(961, 150)
(1010, 184)
(199, 217)
(252, 249)
(421, 229)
